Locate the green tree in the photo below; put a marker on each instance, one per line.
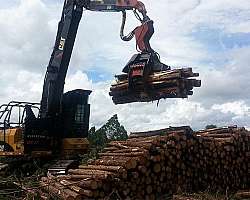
(114, 130)
(97, 138)
(110, 131)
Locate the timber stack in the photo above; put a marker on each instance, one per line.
(176, 83)
(242, 195)
(147, 167)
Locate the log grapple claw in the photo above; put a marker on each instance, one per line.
(141, 66)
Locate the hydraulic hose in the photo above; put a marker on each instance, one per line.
(131, 34)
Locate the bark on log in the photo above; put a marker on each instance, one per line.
(74, 187)
(126, 163)
(132, 154)
(164, 84)
(180, 160)
(242, 195)
(51, 189)
(116, 169)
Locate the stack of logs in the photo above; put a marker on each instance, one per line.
(242, 195)
(175, 83)
(148, 167)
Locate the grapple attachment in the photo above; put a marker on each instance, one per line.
(141, 66)
(146, 79)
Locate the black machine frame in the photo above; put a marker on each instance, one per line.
(7, 111)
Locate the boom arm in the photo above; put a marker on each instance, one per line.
(60, 58)
(114, 5)
(65, 39)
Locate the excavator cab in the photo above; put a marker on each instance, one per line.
(75, 117)
(23, 132)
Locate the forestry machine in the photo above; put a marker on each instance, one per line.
(59, 124)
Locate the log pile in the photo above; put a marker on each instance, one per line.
(177, 83)
(242, 195)
(148, 167)
(180, 197)
(160, 132)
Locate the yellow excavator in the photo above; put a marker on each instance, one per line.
(59, 124)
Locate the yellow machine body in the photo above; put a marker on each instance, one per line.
(73, 146)
(14, 138)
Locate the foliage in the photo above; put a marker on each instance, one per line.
(114, 130)
(110, 131)
(98, 139)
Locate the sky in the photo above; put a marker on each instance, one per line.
(211, 36)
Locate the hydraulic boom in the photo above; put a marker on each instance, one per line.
(67, 30)
(63, 120)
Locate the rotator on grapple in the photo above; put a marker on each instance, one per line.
(145, 78)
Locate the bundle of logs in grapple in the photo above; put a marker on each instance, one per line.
(155, 163)
(175, 83)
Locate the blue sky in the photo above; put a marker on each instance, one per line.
(212, 36)
(7, 4)
(217, 41)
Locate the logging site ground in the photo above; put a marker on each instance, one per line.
(125, 100)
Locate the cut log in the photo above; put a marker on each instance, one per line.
(132, 154)
(177, 160)
(61, 193)
(126, 163)
(74, 187)
(116, 169)
(87, 176)
(242, 195)
(164, 84)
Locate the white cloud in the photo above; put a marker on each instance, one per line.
(228, 82)
(78, 80)
(238, 108)
(243, 27)
(20, 86)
